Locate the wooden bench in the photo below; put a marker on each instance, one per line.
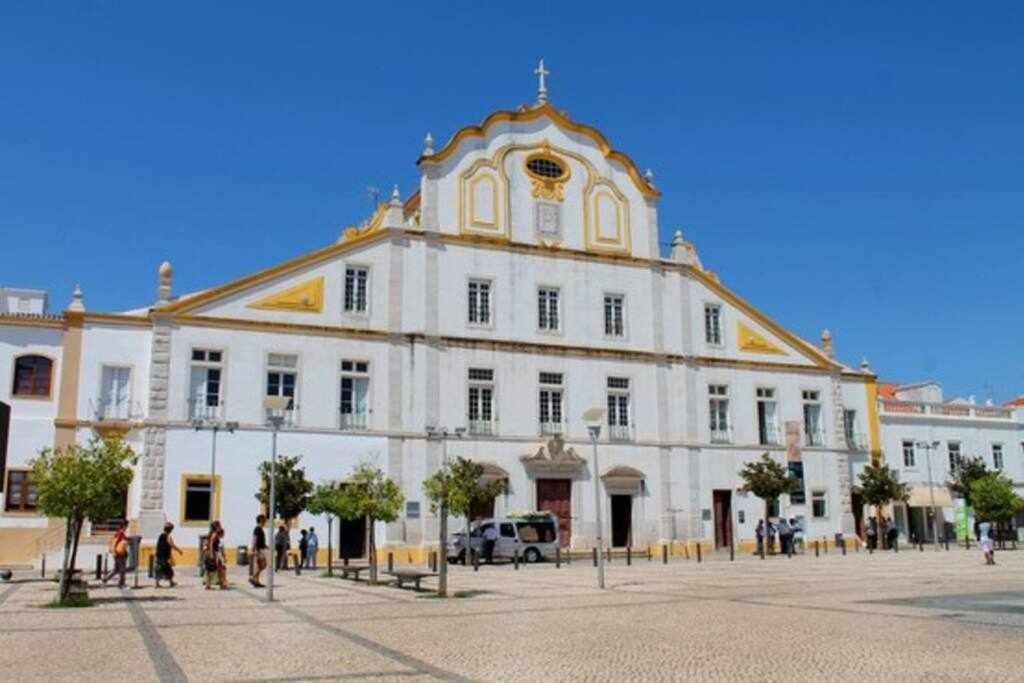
(352, 570)
(403, 576)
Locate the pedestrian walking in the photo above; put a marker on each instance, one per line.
(490, 539)
(164, 560)
(282, 542)
(798, 533)
(785, 537)
(770, 533)
(892, 532)
(211, 551)
(872, 533)
(118, 547)
(258, 550)
(312, 545)
(303, 547)
(985, 541)
(759, 532)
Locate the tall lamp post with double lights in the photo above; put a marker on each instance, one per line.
(214, 426)
(929, 447)
(594, 417)
(442, 560)
(275, 406)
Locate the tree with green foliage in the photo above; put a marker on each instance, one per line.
(76, 483)
(994, 499)
(370, 494)
(880, 485)
(455, 489)
(767, 480)
(291, 488)
(967, 472)
(326, 500)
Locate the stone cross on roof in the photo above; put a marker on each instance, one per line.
(542, 88)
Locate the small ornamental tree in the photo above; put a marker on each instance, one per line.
(767, 480)
(291, 488)
(881, 485)
(77, 483)
(326, 500)
(967, 472)
(371, 494)
(994, 499)
(454, 489)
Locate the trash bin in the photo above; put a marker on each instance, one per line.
(243, 556)
(133, 552)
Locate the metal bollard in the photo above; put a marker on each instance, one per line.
(844, 547)
(149, 571)
(967, 541)
(650, 554)
(99, 567)
(298, 567)
(515, 558)
(946, 543)
(816, 553)
(136, 575)
(698, 553)
(920, 546)
(595, 556)
(824, 543)
(558, 557)
(391, 562)
(761, 552)
(789, 550)
(629, 556)
(664, 554)
(732, 551)
(43, 570)
(476, 561)
(896, 545)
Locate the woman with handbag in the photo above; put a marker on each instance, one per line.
(119, 549)
(164, 562)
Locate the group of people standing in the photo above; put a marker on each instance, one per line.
(790, 534)
(881, 533)
(309, 544)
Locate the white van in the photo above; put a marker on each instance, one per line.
(534, 536)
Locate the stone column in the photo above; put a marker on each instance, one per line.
(151, 513)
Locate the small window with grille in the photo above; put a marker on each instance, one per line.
(545, 167)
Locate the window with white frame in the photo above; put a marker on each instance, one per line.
(355, 394)
(813, 435)
(997, 456)
(282, 379)
(551, 408)
(614, 321)
(819, 504)
(480, 392)
(206, 390)
(356, 279)
(850, 428)
(479, 306)
(115, 393)
(953, 449)
(713, 324)
(618, 408)
(909, 458)
(548, 318)
(718, 407)
(767, 417)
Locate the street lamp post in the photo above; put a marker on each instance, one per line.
(593, 418)
(215, 426)
(442, 559)
(929, 447)
(275, 405)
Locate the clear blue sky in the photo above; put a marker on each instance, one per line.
(857, 167)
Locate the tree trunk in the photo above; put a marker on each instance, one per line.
(442, 560)
(372, 554)
(330, 547)
(78, 533)
(62, 592)
(767, 534)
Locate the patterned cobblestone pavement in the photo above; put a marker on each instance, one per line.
(908, 616)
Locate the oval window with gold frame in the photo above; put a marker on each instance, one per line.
(546, 167)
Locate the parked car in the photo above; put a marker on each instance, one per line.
(534, 536)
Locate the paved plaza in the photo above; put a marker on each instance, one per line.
(909, 616)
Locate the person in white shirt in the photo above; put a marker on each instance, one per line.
(490, 538)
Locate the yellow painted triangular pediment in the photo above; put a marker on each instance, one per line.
(754, 342)
(305, 297)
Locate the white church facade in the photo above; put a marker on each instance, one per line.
(520, 285)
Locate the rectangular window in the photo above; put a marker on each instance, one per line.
(198, 500)
(355, 394)
(205, 387)
(997, 456)
(618, 409)
(115, 383)
(713, 324)
(21, 493)
(796, 470)
(481, 401)
(953, 448)
(812, 419)
(282, 378)
(32, 375)
(850, 428)
(767, 422)
(718, 408)
(551, 408)
(819, 505)
(908, 453)
(356, 278)
(614, 325)
(479, 312)
(547, 309)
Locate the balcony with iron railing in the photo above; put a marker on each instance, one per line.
(209, 408)
(620, 432)
(814, 438)
(722, 435)
(769, 436)
(115, 411)
(946, 410)
(482, 427)
(352, 421)
(856, 441)
(290, 416)
(552, 428)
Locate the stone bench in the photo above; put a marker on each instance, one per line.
(352, 571)
(403, 576)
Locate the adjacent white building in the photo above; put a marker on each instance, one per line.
(520, 285)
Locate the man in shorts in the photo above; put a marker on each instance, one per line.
(258, 549)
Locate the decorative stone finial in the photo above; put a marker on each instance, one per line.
(396, 198)
(826, 342)
(649, 176)
(542, 88)
(428, 145)
(164, 275)
(865, 367)
(677, 239)
(77, 304)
